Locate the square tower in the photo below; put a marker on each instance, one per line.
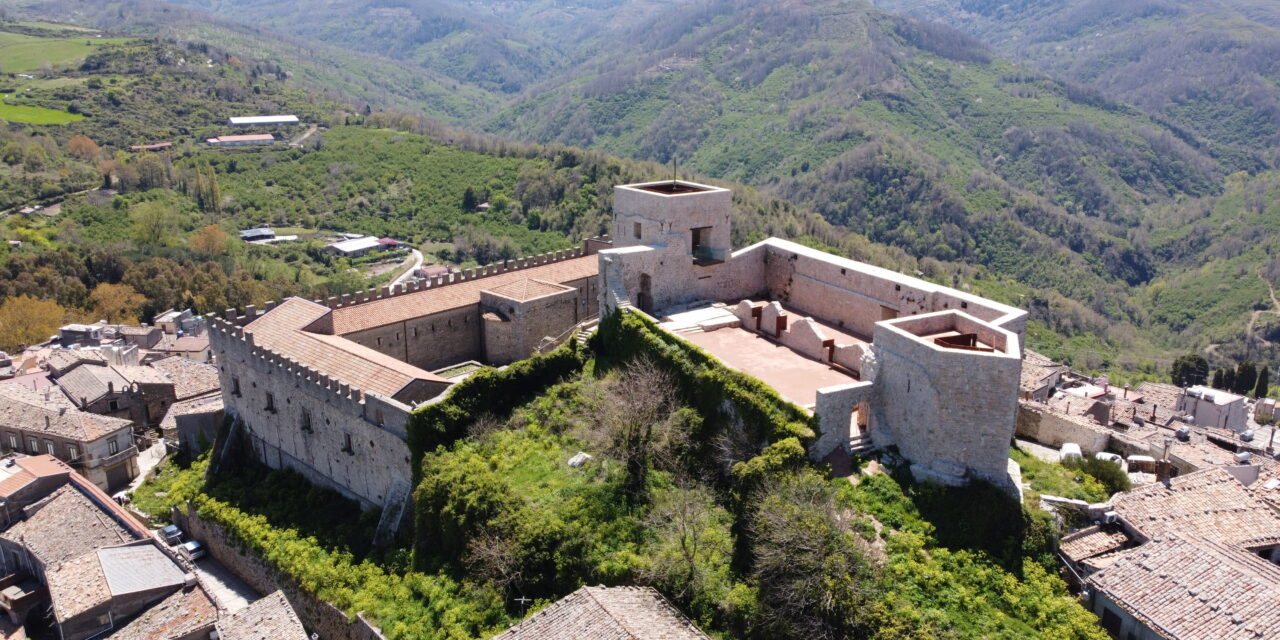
(674, 217)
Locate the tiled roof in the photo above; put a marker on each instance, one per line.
(601, 613)
(211, 403)
(15, 481)
(1160, 393)
(268, 618)
(1035, 368)
(22, 408)
(190, 378)
(528, 289)
(63, 359)
(66, 525)
(185, 344)
(91, 382)
(34, 381)
(181, 615)
(1208, 503)
(27, 469)
(1195, 589)
(281, 330)
(128, 330)
(384, 311)
(1090, 542)
(142, 375)
(76, 586)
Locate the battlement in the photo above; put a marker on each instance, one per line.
(228, 337)
(590, 246)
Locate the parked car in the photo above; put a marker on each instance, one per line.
(193, 549)
(172, 534)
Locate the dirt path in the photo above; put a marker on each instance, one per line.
(297, 142)
(1212, 349)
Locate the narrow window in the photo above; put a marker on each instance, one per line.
(379, 342)
(33, 446)
(637, 230)
(377, 414)
(271, 402)
(50, 448)
(13, 442)
(235, 386)
(306, 420)
(115, 405)
(113, 447)
(346, 443)
(415, 332)
(73, 452)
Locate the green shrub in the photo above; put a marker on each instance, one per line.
(1104, 471)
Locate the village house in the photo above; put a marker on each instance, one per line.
(137, 393)
(245, 140)
(258, 233)
(1190, 558)
(45, 422)
(269, 617)
(357, 247)
(195, 416)
(1215, 408)
(621, 613)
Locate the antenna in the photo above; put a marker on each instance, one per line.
(524, 602)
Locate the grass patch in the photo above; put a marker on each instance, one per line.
(35, 115)
(23, 53)
(1056, 480)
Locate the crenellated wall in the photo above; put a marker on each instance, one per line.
(336, 412)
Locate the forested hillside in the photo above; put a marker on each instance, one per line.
(1211, 69)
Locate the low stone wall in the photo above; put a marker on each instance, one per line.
(318, 616)
(1038, 422)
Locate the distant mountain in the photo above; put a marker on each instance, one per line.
(1211, 67)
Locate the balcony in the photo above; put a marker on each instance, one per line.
(113, 459)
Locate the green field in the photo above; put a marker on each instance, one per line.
(35, 115)
(21, 53)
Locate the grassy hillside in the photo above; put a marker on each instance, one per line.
(1209, 68)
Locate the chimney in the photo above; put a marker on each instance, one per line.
(48, 424)
(1126, 392)
(111, 387)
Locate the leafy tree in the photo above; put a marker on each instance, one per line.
(1264, 383)
(692, 548)
(1189, 370)
(116, 303)
(1229, 380)
(210, 240)
(638, 421)
(1219, 378)
(1246, 378)
(469, 202)
(25, 320)
(82, 147)
(154, 223)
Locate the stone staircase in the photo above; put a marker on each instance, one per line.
(585, 329)
(861, 443)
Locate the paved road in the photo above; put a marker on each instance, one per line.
(417, 262)
(229, 592)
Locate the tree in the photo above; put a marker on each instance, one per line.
(1219, 378)
(469, 200)
(116, 303)
(210, 240)
(692, 546)
(1229, 379)
(1264, 383)
(1189, 370)
(82, 147)
(25, 320)
(1246, 378)
(154, 223)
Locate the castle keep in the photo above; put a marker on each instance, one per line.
(326, 388)
(882, 359)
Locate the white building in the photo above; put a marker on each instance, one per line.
(355, 247)
(263, 121)
(1215, 408)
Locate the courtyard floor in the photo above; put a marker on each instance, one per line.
(794, 376)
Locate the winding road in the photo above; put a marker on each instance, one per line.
(417, 262)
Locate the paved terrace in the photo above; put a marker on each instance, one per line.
(796, 377)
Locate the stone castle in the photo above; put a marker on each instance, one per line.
(326, 388)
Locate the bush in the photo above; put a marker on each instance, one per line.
(1106, 472)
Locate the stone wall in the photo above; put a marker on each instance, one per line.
(378, 456)
(834, 409)
(950, 412)
(1040, 423)
(429, 342)
(524, 323)
(319, 617)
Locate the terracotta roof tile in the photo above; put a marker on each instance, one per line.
(77, 585)
(1160, 394)
(66, 525)
(1208, 503)
(268, 618)
(182, 614)
(25, 409)
(190, 378)
(384, 311)
(528, 289)
(281, 330)
(1092, 541)
(601, 613)
(1195, 589)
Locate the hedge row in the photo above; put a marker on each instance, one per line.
(492, 391)
(720, 394)
(414, 605)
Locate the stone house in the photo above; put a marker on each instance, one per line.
(1215, 408)
(143, 337)
(44, 422)
(271, 616)
(139, 394)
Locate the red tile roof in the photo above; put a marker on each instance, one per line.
(600, 613)
(1210, 503)
(384, 311)
(528, 289)
(281, 330)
